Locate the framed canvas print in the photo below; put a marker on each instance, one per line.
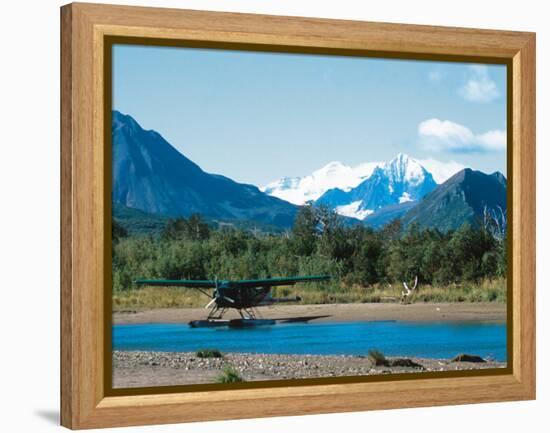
(311, 215)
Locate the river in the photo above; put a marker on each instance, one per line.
(418, 339)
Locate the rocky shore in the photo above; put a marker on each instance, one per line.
(143, 369)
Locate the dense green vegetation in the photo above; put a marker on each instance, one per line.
(137, 222)
(468, 264)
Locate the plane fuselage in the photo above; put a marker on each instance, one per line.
(230, 295)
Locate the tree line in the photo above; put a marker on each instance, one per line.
(318, 243)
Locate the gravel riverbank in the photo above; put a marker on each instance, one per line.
(143, 369)
(423, 312)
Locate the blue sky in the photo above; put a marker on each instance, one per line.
(256, 117)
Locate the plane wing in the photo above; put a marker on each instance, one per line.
(196, 284)
(268, 282)
(211, 284)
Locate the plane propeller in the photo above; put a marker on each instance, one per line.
(217, 296)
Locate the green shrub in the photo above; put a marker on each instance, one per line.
(209, 353)
(229, 375)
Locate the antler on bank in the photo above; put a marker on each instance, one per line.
(408, 291)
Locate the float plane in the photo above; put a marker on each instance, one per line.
(243, 295)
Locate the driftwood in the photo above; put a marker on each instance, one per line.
(408, 291)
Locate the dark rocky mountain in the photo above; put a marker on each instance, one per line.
(388, 214)
(462, 198)
(149, 174)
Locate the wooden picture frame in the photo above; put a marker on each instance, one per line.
(85, 214)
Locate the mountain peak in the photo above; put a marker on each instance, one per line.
(151, 175)
(402, 159)
(332, 165)
(121, 117)
(401, 156)
(499, 176)
(403, 168)
(401, 180)
(462, 198)
(121, 120)
(331, 168)
(335, 174)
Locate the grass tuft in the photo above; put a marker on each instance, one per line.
(377, 358)
(229, 375)
(209, 353)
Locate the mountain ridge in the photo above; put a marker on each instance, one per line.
(461, 199)
(149, 174)
(301, 189)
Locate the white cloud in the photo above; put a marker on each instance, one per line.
(493, 140)
(445, 135)
(479, 87)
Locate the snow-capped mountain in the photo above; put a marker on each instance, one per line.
(401, 180)
(299, 190)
